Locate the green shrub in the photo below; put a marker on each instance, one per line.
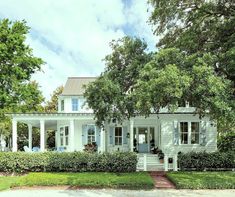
(226, 142)
(67, 162)
(206, 161)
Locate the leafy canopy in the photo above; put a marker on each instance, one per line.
(131, 86)
(17, 64)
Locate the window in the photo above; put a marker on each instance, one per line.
(195, 133)
(62, 105)
(66, 134)
(61, 136)
(118, 135)
(184, 132)
(91, 134)
(74, 104)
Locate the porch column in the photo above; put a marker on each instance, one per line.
(102, 140)
(71, 136)
(166, 163)
(131, 135)
(175, 166)
(30, 136)
(42, 135)
(14, 135)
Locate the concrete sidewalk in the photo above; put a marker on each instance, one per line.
(115, 193)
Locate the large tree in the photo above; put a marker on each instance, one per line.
(108, 95)
(196, 27)
(17, 64)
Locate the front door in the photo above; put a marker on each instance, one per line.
(143, 142)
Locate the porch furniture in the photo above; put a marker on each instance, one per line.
(27, 149)
(36, 149)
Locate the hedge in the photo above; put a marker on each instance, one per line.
(67, 162)
(200, 161)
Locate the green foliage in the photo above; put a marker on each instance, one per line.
(109, 96)
(226, 141)
(197, 27)
(67, 162)
(135, 180)
(203, 180)
(17, 64)
(200, 161)
(52, 105)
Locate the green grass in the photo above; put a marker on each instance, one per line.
(137, 180)
(7, 181)
(203, 180)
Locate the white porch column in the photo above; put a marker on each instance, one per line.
(42, 135)
(131, 135)
(102, 140)
(30, 136)
(71, 136)
(166, 163)
(175, 166)
(14, 135)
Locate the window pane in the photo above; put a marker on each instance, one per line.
(118, 131)
(184, 132)
(62, 105)
(195, 133)
(74, 104)
(66, 131)
(66, 140)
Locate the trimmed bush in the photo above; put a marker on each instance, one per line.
(67, 162)
(200, 161)
(226, 142)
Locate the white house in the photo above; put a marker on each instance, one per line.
(74, 124)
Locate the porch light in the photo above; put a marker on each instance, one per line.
(128, 135)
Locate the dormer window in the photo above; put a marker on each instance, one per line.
(74, 104)
(62, 105)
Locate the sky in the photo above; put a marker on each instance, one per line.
(73, 36)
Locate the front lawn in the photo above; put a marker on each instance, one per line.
(136, 180)
(203, 180)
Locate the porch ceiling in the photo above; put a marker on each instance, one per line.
(49, 124)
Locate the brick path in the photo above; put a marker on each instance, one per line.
(161, 181)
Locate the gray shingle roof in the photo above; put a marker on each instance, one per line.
(74, 85)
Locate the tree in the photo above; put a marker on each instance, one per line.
(17, 63)
(108, 95)
(162, 79)
(52, 105)
(197, 27)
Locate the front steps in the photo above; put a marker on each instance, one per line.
(149, 162)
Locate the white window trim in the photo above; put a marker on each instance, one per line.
(74, 105)
(118, 136)
(64, 140)
(87, 132)
(189, 133)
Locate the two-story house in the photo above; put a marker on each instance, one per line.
(75, 127)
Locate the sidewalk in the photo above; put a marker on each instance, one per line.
(117, 193)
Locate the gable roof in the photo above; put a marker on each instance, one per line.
(74, 85)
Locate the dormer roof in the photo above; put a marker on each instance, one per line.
(75, 85)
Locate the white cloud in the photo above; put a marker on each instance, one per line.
(73, 36)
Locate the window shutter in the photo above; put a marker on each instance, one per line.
(84, 134)
(111, 135)
(98, 136)
(203, 134)
(176, 133)
(124, 135)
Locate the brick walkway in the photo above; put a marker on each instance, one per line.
(161, 181)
